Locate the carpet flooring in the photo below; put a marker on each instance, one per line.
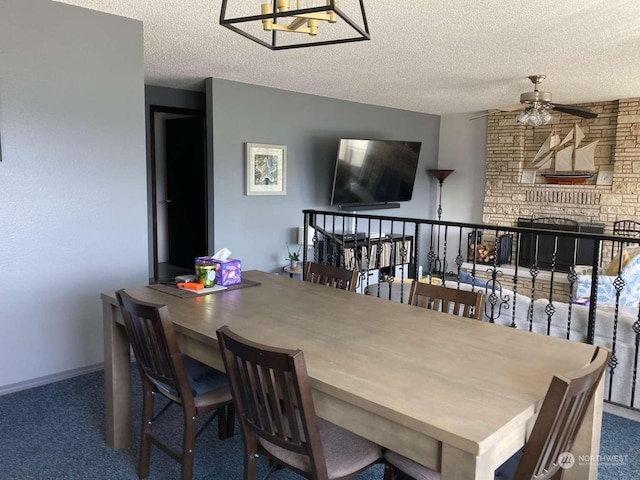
(56, 432)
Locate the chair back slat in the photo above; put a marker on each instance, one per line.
(152, 337)
(560, 417)
(272, 393)
(448, 300)
(332, 276)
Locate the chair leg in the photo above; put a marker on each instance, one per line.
(188, 445)
(388, 473)
(145, 440)
(250, 458)
(222, 423)
(231, 420)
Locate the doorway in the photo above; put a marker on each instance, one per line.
(178, 189)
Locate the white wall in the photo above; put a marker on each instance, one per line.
(463, 144)
(72, 182)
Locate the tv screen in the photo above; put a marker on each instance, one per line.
(374, 172)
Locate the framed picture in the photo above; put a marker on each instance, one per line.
(528, 176)
(266, 172)
(605, 177)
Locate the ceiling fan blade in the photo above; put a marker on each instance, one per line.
(508, 108)
(513, 108)
(571, 110)
(489, 112)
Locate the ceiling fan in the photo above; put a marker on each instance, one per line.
(536, 105)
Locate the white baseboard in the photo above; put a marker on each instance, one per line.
(56, 377)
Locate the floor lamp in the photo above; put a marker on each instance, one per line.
(440, 175)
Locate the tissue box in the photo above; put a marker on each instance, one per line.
(227, 272)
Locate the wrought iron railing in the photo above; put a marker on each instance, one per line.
(575, 285)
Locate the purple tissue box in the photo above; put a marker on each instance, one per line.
(228, 272)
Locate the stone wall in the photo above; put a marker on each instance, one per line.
(510, 151)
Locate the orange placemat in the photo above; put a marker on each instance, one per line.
(179, 292)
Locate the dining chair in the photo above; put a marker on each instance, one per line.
(182, 380)
(553, 433)
(449, 300)
(332, 276)
(277, 417)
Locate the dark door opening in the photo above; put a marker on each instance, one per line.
(179, 190)
(186, 179)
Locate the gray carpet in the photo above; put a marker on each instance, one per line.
(56, 432)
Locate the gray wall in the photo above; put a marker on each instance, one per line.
(72, 182)
(463, 145)
(255, 228)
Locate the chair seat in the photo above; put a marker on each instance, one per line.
(345, 452)
(419, 472)
(208, 385)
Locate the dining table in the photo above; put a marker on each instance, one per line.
(455, 394)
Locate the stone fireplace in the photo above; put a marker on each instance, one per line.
(510, 151)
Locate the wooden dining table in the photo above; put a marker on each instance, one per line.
(454, 394)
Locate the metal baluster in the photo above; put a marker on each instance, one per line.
(533, 271)
(550, 308)
(515, 284)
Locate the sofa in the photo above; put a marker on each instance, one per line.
(624, 272)
(559, 319)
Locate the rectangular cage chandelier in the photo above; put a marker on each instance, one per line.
(286, 24)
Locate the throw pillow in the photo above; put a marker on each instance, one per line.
(617, 264)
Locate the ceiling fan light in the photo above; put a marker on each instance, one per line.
(523, 117)
(535, 120)
(534, 116)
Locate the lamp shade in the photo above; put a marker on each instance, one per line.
(440, 174)
(310, 234)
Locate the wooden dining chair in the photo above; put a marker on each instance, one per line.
(332, 276)
(449, 300)
(277, 417)
(553, 434)
(184, 381)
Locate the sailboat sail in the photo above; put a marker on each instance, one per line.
(563, 159)
(549, 144)
(584, 157)
(569, 164)
(579, 135)
(568, 138)
(545, 163)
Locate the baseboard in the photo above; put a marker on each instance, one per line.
(56, 377)
(622, 411)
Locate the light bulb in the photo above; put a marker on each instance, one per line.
(523, 117)
(546, 117)
(535, 119)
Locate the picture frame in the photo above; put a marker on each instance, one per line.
(528, 177)
(266, 169)
(605, 177)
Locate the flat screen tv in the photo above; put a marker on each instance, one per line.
(374, 173)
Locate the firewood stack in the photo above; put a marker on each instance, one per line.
(483, 253)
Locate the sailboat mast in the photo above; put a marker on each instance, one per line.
(575, 147)
(554, 148)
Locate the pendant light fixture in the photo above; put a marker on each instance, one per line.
(285, 24)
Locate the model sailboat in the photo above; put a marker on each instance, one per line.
(570, 162)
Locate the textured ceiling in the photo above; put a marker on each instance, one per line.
(426, 56)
